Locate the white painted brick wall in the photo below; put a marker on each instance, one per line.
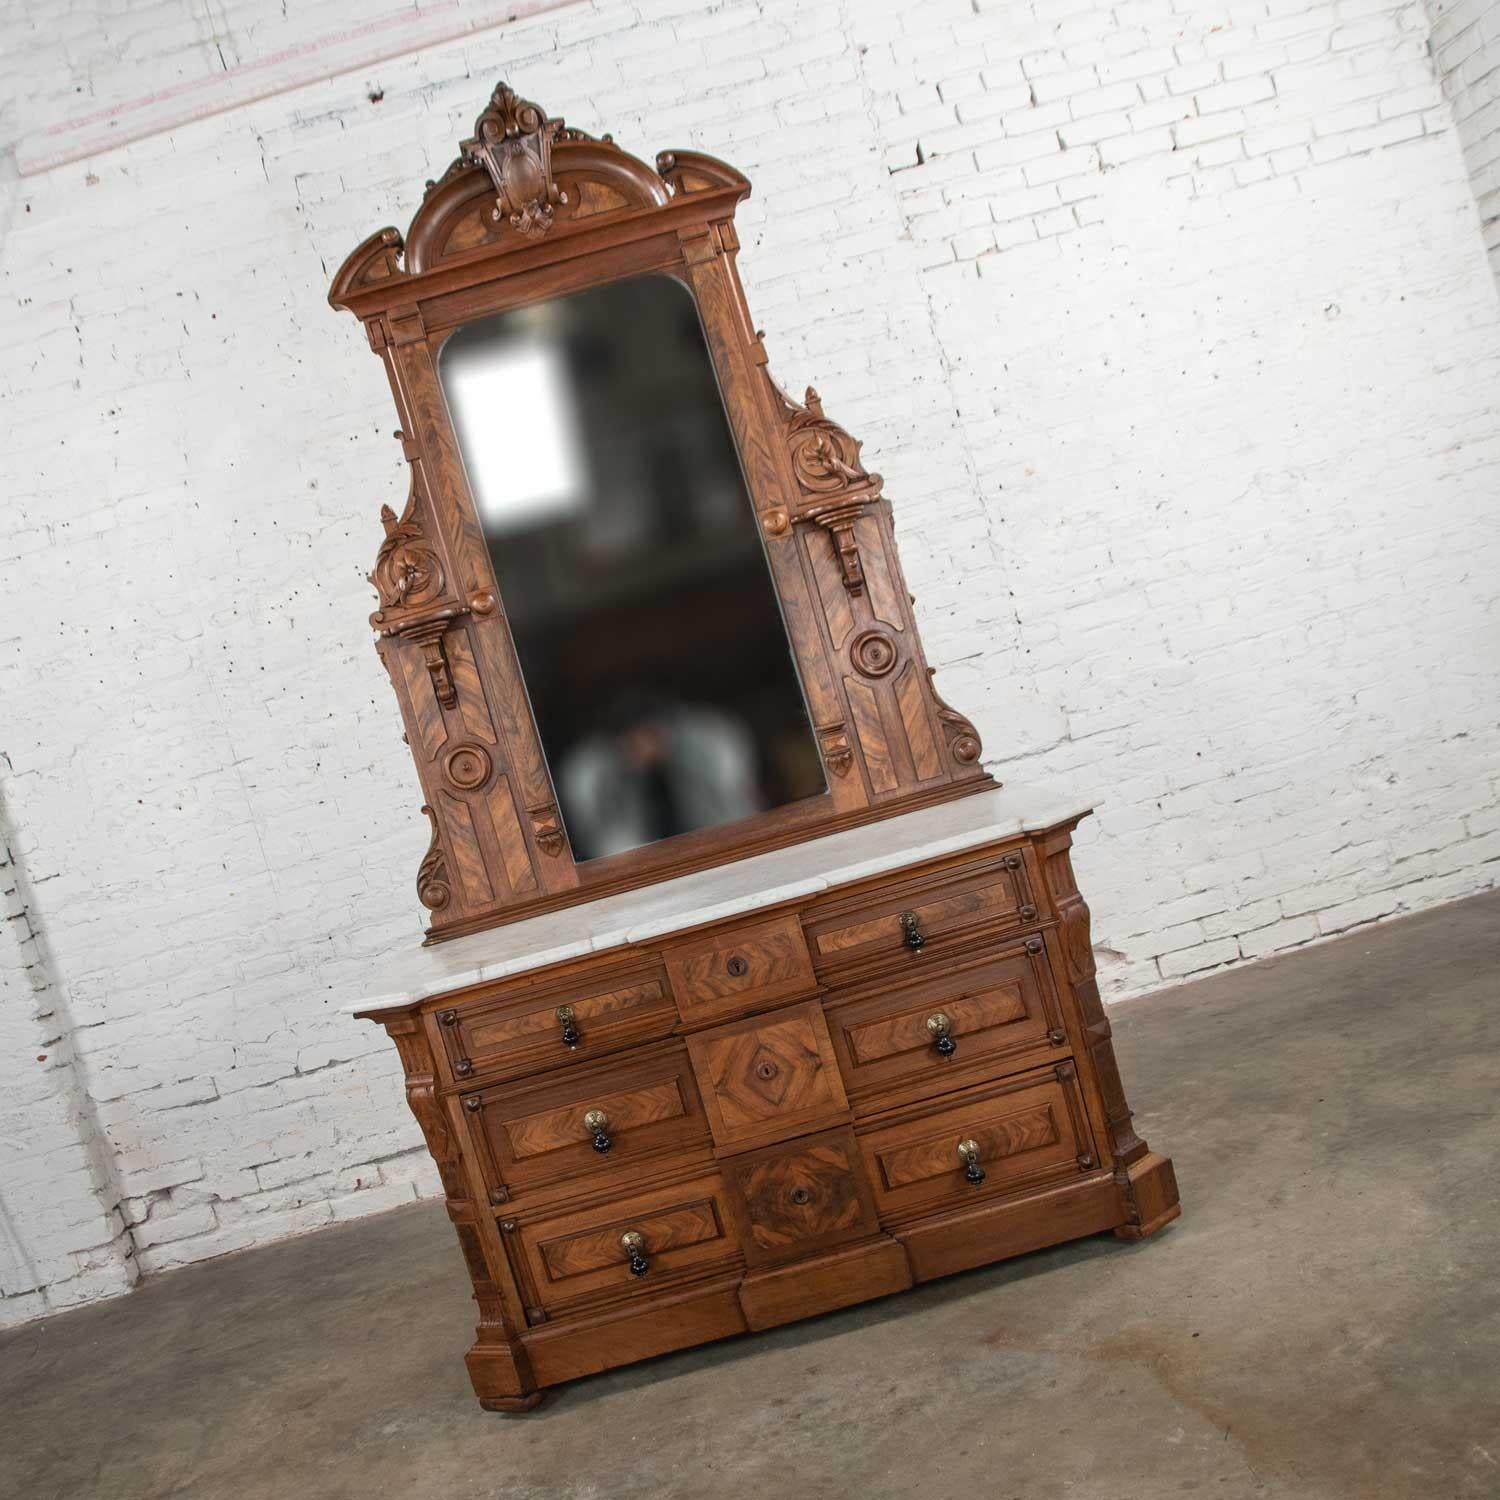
(1465, 44)
(1170, 327)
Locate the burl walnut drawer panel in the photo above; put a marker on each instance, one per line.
(533, 1029)
(769, 1077)
(918, 918)
(995, 1139)
(989, 1009)
(585, 1253)
(589, 1122)
(798, 1198)
(743, 969)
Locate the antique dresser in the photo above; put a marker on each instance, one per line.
(747, 994)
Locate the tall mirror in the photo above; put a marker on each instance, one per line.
(630, 564)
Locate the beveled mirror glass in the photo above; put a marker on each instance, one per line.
(630, 564)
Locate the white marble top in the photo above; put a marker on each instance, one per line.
(671, 906)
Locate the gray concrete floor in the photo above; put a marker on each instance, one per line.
(1322, 1322)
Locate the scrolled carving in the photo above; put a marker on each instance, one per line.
(962, 737)
(467, 766)
(407, 572)
(513, 141)
(433, 890)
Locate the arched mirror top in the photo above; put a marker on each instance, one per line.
(520, 180)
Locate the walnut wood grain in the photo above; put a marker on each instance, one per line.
(949, 909)
(793, 1200)
(768, 1077)
(743, 969)
(760, 1194)
(518, 1029)
(1029, 1131)
(575, 1255)
(535, 1135)
(1001, 1007)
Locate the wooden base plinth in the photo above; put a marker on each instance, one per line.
(841, 1279)
(1152, 1192)
(501, 1377)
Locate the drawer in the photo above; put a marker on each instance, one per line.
(583, 1253)
(769, 1077)
(523, 1031)
(531, 1134)
(912, 920)
(991, 1008)
(793, 1200)
(1026, 1132)
(746, 968)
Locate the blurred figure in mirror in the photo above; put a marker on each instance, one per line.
(655, 769)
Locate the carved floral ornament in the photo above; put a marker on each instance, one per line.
(836, 488)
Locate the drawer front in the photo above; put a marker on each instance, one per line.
(932, 914)
(987, 1010)
(794, 1200)
(769, 1077)
(1026, 1133)
(583, 1253)
(743, 969)
(540, 1134)
(541, 1028)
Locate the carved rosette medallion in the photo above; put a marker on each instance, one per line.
(873, 653)
(467, 766)
(433, 890)
(513, 141)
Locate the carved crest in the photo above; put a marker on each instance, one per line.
(513, 141)
(433, 890)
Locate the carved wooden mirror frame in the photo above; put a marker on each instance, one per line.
(533, 209)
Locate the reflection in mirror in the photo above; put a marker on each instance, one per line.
(630, 564)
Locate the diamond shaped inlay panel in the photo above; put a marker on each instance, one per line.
(767, 1078)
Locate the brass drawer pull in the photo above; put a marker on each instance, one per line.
(597, 1122)
(940, 1029)
(567, 1018)
(968, 1154)
(633, 1243)
(911, 934)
